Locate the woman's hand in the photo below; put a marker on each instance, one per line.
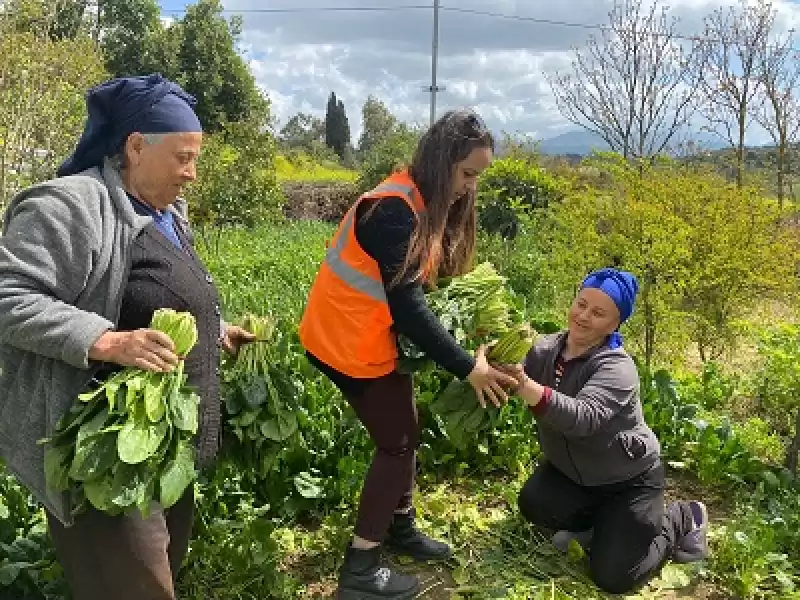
(234, 338)
(488, 381)
(147, 349)
(526, 388)
(518, 373)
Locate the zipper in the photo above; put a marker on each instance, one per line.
(566, 439)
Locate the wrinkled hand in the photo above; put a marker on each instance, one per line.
(234, 338)
(489, 381)
(146, 349)
(518, 373)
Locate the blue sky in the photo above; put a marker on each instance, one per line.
(496, 65)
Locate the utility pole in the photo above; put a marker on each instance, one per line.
(434, 60)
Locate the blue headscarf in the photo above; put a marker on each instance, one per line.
(119, 107)
(622, 288)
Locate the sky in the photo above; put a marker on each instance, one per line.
(494, 64)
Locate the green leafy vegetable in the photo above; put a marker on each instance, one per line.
(128, 442)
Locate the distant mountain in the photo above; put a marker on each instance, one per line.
(582, 142)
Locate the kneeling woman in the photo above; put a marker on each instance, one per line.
(602, 480)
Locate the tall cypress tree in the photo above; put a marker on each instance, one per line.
(337, 128)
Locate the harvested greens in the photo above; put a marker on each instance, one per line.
(259, 397)
(476, 307)
(129, 442)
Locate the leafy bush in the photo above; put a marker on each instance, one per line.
(777, 384)
(713, 388)
(513, 186)
(389, 154)
(42, 106)
(706, 253)
(236, 183)
(755, 554)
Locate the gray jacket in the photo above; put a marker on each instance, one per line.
(64, 261)
(592, 429)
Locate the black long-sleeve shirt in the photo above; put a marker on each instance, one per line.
(384, 235)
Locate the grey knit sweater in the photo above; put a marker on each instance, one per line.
(64, 260)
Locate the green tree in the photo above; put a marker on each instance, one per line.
(131, 30)
(236, 182)
(337, 128)
(71, 19)
(377, 123)
(511, 186)
(42, 86)
(706, 252)
(210, 68)
(302, 131)
(390, 153)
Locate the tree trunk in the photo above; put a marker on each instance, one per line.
(649, 322)
(781, 172)
(794, 447)
(740, 157)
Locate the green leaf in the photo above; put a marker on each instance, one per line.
(183, 408)
(128, 484)
(56, 467)
(93, 457)
(674, 577)
(178, 474)
(10, 571)
(100, 492)
(154, 401)
(575, 552)
(308, 486)
(4, 512)
(254, 391)
(283, 426)
(139, 439)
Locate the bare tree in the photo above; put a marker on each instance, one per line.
(634, 84)
(734, 39)
(779, 112)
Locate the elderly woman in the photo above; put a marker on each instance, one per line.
(602, 480)
(85, 260)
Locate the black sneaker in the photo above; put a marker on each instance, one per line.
(693, 546)
(405, 538)
(363, 578)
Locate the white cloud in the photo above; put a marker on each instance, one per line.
(493, 64)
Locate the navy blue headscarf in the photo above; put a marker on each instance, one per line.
(622, 288)
(119, 107)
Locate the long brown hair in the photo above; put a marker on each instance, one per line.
(444, 235)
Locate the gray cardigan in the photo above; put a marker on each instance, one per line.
(64, 261)
(592, 429)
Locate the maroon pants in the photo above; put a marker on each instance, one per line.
(387, 410)
(125, 557)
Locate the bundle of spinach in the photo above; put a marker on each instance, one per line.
(258, 393)
(129, 441)
(462, 418)
(475, 307)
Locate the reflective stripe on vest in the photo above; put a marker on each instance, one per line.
(355, 279)
(333, 258)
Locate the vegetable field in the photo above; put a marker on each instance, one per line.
(275, 512)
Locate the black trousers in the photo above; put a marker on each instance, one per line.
(633, 533)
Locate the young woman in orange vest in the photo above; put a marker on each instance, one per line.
(416, 226)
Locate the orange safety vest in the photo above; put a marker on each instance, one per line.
(347, 323)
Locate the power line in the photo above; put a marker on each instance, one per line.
(305, 9)
(453, 9)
